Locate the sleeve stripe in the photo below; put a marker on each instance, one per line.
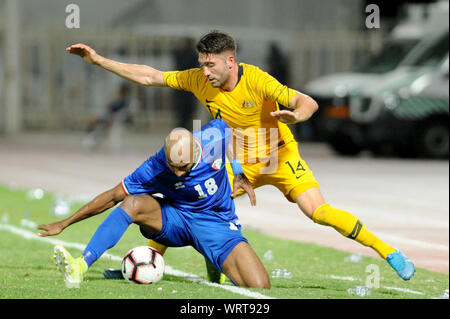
(201, 153)
(124, 188)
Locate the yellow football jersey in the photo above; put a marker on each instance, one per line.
(246, 109)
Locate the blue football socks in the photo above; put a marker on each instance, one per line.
(107, 235)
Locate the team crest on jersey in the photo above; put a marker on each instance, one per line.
(248, 105)
(179, 185)
(217, 164)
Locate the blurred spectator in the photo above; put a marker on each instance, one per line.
(185, 57)
(277, 64)
(112, 124)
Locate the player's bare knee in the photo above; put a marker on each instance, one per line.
(264, 281)
(143, 210)
(261, 282)
(131, 205)
(261, 285)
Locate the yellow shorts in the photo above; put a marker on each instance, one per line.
(289, 173)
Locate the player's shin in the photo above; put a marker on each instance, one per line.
(107, 235)
(350, 226)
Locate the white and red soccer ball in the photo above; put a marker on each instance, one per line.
(143, 265)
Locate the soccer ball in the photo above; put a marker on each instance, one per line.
(143, 265)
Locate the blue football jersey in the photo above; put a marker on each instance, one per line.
(206, 188)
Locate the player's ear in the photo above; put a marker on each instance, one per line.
(231, 59)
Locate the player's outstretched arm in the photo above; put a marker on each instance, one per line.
(303, 108)
(96, 206)
(140, 74)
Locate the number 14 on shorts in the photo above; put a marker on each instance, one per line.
(299, 168)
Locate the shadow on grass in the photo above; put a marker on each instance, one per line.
(98, 275)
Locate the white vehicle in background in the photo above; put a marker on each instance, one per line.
(406, 43)
(406, 114)
(425, 105)
(368, 121)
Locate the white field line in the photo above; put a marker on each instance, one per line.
(168, 270)
(344, 278)
(413, 242)
(404, 290)
(385, 287)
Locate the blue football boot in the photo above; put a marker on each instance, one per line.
(401, 264)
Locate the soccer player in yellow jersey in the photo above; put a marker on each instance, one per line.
(248, 99)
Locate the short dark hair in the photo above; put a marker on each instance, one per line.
(216, 42)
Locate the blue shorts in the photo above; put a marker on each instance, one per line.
(210, 233)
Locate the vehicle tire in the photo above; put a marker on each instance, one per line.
(433, 140)
(344, 144)
(383, 149)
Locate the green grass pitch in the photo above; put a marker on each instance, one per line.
(27, 271)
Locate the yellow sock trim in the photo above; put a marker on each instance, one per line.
(159, 247)
(350, 226)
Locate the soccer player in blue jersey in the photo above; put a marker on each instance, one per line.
(197, 208)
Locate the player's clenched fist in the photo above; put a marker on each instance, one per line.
(87, 53)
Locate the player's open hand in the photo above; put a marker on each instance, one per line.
(241, 182)
(51, 229)
(285, 116)
(87, 53)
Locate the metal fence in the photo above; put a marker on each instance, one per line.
(59, 91)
